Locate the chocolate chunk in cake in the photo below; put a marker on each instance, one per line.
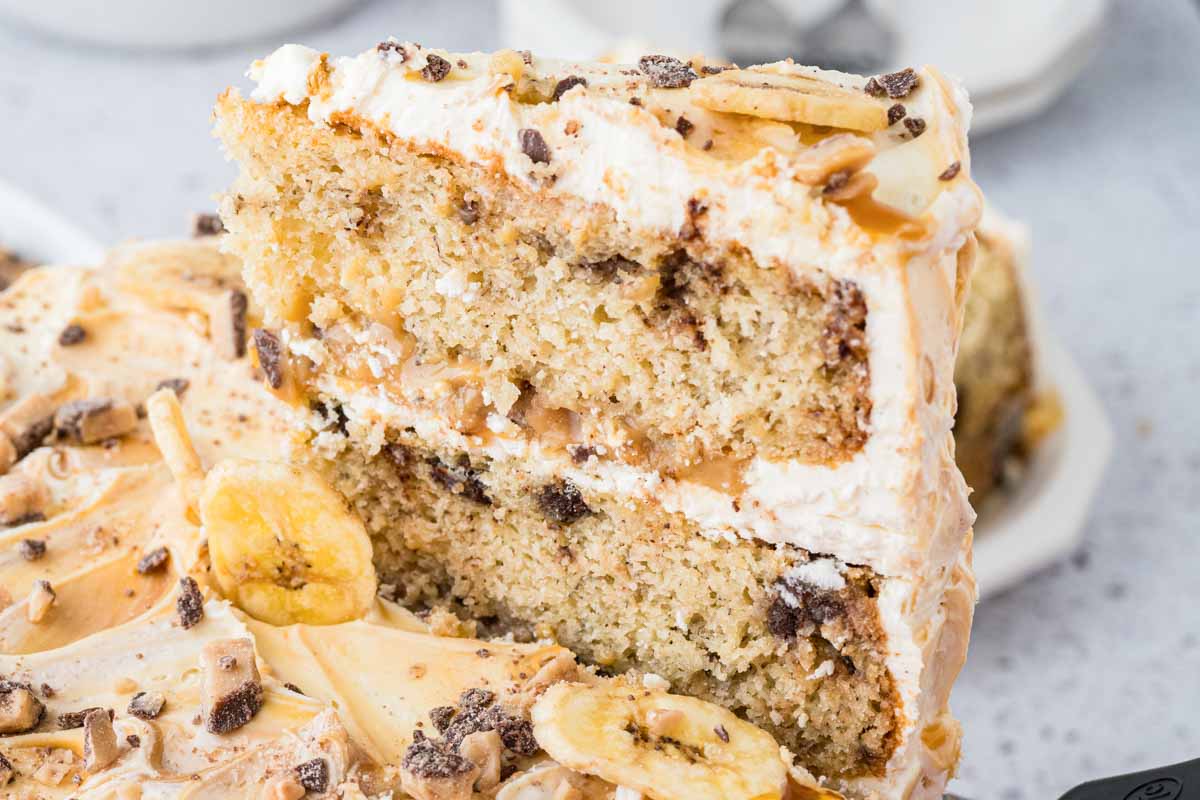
(91, 421)
(562, 502)
(190, 604)
(567, 84)
(153, 561)
(436, 68)
(71, 335)
(20, 710)
(232, 696)
(313, 775)
(32, 549)
(270, 356)
(206, 224)
(666, 72)
(227, 324)
(894, 84)
(460, 478)
(533, 144)
(147, 705)
(100, 746)
(799, 608)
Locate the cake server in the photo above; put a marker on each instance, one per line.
(1176, 782)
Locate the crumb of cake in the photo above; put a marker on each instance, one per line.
(232, 695)
(32, 549)
(147, 705)
(41, 598)
(153, 561)
(20, 710)
(71, 335)
(94, 420)
(189, 606)
(100, 746)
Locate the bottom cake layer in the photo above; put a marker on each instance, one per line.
(787, 639)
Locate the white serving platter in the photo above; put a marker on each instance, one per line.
(34, 232)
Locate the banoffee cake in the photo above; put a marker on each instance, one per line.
(187, 615)
(651, 360)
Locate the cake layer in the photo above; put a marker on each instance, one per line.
(761, 299)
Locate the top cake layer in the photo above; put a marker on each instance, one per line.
(857, 187)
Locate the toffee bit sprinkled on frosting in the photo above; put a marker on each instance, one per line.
(567, 84)
(133, 740)
(270, 356)
(896, 113)
(228, 324)
(721, 733)
(206, 224)
(527, 57)
(836, 181)
(6, 771)
(684, 126)
(441, 716)
(427, 758)
(894, 84)
(635, 101)
(231, 696)
(436, 68)
(99, 740)
(147, 705)
(70, 720)
(33, 549)
(176, 385)
(291, 687)
(72, 335)
(950, 172)
(915, 125)
(393, 49)
(534, 145)
(20, 710)
(41, 598)
(91, 421)
(153, 561)
(713, 69)
(313, 775)
(190, 605)
(666, 72)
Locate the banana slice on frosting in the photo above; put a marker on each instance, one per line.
(283, 545)
(666, 746)
(790, 97)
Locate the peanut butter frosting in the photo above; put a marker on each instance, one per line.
(128, 671)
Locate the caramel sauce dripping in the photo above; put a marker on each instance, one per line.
(721, 473)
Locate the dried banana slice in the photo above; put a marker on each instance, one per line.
(666, 746)
(790, 98)
(284, 547)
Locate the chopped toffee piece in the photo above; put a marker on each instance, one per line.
(227, 662)
(567, 84)
(20, 497)
(41, 598)
(227, 324)
(431, 760)
(72, 335)
(683, 126)
(20, 710)
(91, 421)
(713, 69)
(153, 561)
(836, 181)
(915, 126)
(436, 68)
(6, 771)
(147, 705)
(190, 604)
(894, 84)
(721, 733)
(70, 720)
(313, 775)
(283, 787)
(270, 356)
(393, 50)
(534, 145)
(27, 423)
(441, 716)
(231, 696)
(206, 224)
(483, 749)
(562, 502)
(176, 385)
(133, 740)
(896, 113)
(100, 746)
(665, 72)
(950, 172)
(33, 549)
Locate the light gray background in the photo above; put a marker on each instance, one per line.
(1090, 668)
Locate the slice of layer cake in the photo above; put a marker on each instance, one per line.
(652, 360)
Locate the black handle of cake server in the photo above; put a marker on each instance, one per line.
(1177, 782)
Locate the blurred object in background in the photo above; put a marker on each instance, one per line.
(160, 24)
(1015, 56)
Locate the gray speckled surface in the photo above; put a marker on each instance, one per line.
(1090, 667)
